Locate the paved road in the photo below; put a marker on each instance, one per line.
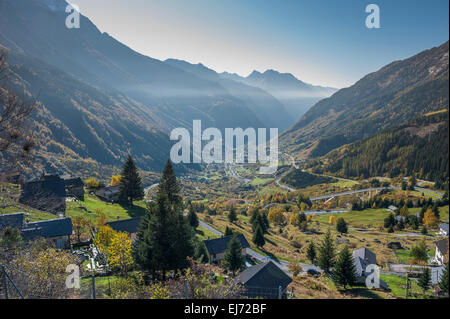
(429, 192)
(349, 193)
(236, 175)
(289, 189)
(150, 187)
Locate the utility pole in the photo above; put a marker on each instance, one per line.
(93, 286)
(5, 286)
(407, 285)
(186, 290)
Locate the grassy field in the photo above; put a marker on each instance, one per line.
(204, 233)
(96, 206)
(397, 284)
(366, 218)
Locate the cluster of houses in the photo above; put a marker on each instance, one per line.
(56, 230)
(49, 193)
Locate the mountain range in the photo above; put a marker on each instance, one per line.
(297, 96)
(109, 100)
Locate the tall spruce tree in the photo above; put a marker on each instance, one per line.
(165, 238)
(444, 281)
(341, 226)
(424, 280)
(169, 185)
(258, 237)
(326, 253)
(192, 218)
(130, 183)
(233, 258)
(311, 252)
(228, 231)
(232, 217)
(344, 271)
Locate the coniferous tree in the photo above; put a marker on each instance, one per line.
(228, 231)
(130, 183)
(444, 281)
(233, 258)
(424, 280)
(232, 217)
(169, 185)
(165, 238)
(301, 218)
(192, 218)
(266, 223)
(200, 252)
(341, 226)
(253, 216)
(258, 237)
(344, 271)
(326, 253)
(311, 252)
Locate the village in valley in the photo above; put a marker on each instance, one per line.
(252, 236)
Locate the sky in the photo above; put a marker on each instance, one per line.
(322, 42)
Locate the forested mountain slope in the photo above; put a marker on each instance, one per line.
(419, 147)
(400, 91)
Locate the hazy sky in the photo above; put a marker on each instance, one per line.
(323, 42)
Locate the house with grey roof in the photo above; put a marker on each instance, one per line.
(130, 226)
(443, 229)
(57, 230)
(441, 251)
(74, 187)
(362, 258)
(264, 280)
(11, 220)
(109, 193)
(47, 194)
(216, 247)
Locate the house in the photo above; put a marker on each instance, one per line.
(47, 194)
(362, 258)
(130, 226)
(11, 221)
(109, 193)
(56, 230)
(441, 251)
(264, 280)
(443, 229)
(216, 247)
(392, 208)
(74, 187)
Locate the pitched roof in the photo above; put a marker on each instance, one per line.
(31, 233)
(48, 186)
(52, 228)
(444, 226)
(73, 182)
(219, 245)
(264, 275)
(442, 245)
(11, 220)
(126, 225)
(366, 255)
